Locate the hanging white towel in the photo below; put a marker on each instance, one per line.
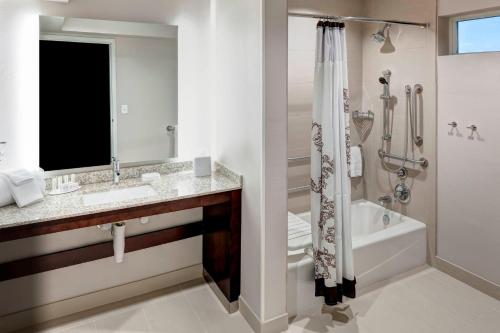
(356, 162)
(24, 190)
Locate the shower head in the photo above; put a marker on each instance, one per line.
(382, 80)
(380, 35)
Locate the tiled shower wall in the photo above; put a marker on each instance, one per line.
(412, 62)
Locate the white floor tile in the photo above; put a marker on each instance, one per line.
(129, 321)
(83, 328)
(172, 313)
(426, 302)
(211, 313)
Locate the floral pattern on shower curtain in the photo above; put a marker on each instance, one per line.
(330, 167)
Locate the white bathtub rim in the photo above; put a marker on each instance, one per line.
(391, 232)
(407, 226)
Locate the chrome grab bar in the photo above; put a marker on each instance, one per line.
(423, 162)
(299, 189)
(299, 158)
(416, 133)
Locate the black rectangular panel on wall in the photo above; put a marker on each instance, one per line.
(75, 107)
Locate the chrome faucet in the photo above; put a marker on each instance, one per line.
(116, 170)
(385, 200)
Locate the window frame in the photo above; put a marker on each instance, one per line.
(469, 17)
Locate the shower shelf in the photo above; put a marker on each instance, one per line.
(423, 162)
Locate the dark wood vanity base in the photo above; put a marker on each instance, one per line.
(220, 227)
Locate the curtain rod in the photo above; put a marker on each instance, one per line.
(358, 19)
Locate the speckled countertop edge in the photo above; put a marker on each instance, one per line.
(172, 186)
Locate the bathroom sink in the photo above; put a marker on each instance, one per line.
(124, 194)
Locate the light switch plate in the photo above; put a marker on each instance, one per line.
(124, 109)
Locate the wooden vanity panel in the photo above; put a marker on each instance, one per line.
(221, 230)
(48, 262)
(222, 245)
(89, 220)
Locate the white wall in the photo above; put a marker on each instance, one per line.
(19, 66)
(146, 81)
(239, 124)
(468, 227)
(19, 32)
(275, 163)
(451, 7)
(250, 139)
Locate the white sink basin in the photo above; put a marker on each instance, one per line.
(124, 194)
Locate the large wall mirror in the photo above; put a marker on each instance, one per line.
(107, 89)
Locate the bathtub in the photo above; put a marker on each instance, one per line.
(381, 251)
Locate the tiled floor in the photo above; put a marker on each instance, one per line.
(188, 308)
(427, 302)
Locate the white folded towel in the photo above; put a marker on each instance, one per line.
(26, 191)
(19, 176)
(356, 162)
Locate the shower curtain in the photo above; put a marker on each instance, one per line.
(330, 164)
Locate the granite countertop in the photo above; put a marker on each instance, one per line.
(172, 186)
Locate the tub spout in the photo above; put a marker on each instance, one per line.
(385, 200)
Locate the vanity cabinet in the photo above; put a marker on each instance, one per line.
(220, 227)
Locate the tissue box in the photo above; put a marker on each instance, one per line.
(202, 166)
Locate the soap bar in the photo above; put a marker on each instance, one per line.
(202, 166)
(150, 177)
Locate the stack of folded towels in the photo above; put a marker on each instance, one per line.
(356, 162)
(22, 187)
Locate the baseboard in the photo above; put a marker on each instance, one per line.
(63, 308)
(473, 280)
(273, 325)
